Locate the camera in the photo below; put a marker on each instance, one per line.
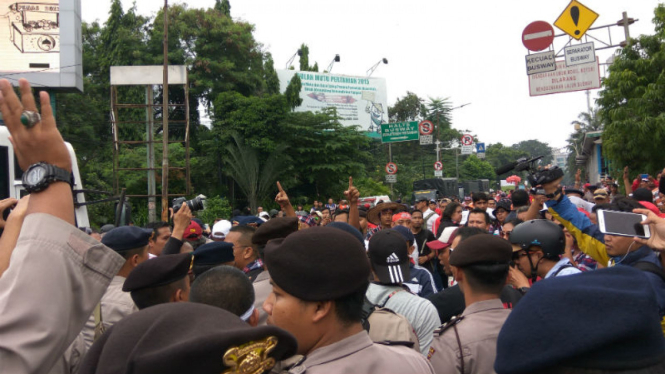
(535, 176)
(194, 204)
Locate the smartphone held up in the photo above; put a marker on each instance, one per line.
(623, 224)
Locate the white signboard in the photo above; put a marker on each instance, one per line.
(576, 78)
(467, 149)
(391, 178)
(580, 54)
(426, 139)
(359, 101)
(438, 173)
(540, 62)
(480, 155)
(41, 41)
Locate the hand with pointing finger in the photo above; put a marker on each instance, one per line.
(352, 194)
(282, 198)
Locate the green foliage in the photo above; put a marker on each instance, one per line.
(254, 177)
(438, 111)
(224, 7)
(215, 207)
(475, 168)
(304, 60)
(270, 75)
(632, 102)
(407, 108)
(370, 187)
(292, 93)
(535, 148)
(498, 155)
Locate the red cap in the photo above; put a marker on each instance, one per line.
(193, 231)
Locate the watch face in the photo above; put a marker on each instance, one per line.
(36, 175)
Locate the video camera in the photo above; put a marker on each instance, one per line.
(535, 176)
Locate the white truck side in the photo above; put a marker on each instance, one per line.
(10, 177)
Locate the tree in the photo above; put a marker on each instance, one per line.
(224, 7)
(292, 93)
(499, 155)
(304, 60)
(270, 75)
(632, 102)
(475, 168)
(438, 111)
(407, 108)
(535, 148)
(256, 179)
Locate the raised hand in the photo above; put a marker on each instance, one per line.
(352, 194)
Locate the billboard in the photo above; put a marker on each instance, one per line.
(41, 41)
(360, 101)
(565, 79)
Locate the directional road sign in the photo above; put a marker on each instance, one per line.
(438, 165)
(537, 36)
(391, 168)
(426, 127)
(576, 19)
(399, 132)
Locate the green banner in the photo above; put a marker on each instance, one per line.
(399, 132)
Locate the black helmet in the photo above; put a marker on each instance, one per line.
(541, 232)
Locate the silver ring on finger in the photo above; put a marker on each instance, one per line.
(30, 118)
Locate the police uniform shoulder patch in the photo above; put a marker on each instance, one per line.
(250, 358)
(453, 321)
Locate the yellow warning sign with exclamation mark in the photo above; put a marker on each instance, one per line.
(576, 19)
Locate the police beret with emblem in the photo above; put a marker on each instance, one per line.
(617, 325)
(158, 271)
(125, 238)
(482, 249)
(213, 253)
(274, 229)
(317, 264)
(187, 338)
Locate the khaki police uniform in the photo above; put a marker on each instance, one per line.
(358, 354)
(41, 312)
(262, 289)
(475, 334)
(116, 304)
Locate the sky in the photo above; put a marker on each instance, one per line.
(467, 51)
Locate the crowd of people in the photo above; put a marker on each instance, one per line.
(500, 282)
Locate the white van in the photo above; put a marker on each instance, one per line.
(11, 173)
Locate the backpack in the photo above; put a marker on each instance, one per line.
(650, 267)
(388, 327)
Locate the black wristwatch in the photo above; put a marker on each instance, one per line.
(40, 175)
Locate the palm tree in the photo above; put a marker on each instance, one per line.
(587, 122)
(438, 111)
(255, 180)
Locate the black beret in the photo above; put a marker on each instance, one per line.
(348, 228)
(158, 271)
(275, 228)
(482, 249)
(616, 324)
(125, 238)
(187, 338)
(249, 220)
(317, 264)
(213, 253)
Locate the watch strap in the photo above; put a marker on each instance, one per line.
(52, 174)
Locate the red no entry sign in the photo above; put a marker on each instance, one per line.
(426, 127)
(391, 168)
(438, 165)
(537, 36)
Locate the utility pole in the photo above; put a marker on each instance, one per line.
(149, 128)
(165, 119)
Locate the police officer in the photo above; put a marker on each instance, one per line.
(187, 338)
(319, 278)
(467, 344)
(131, 242)
(161, 280)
